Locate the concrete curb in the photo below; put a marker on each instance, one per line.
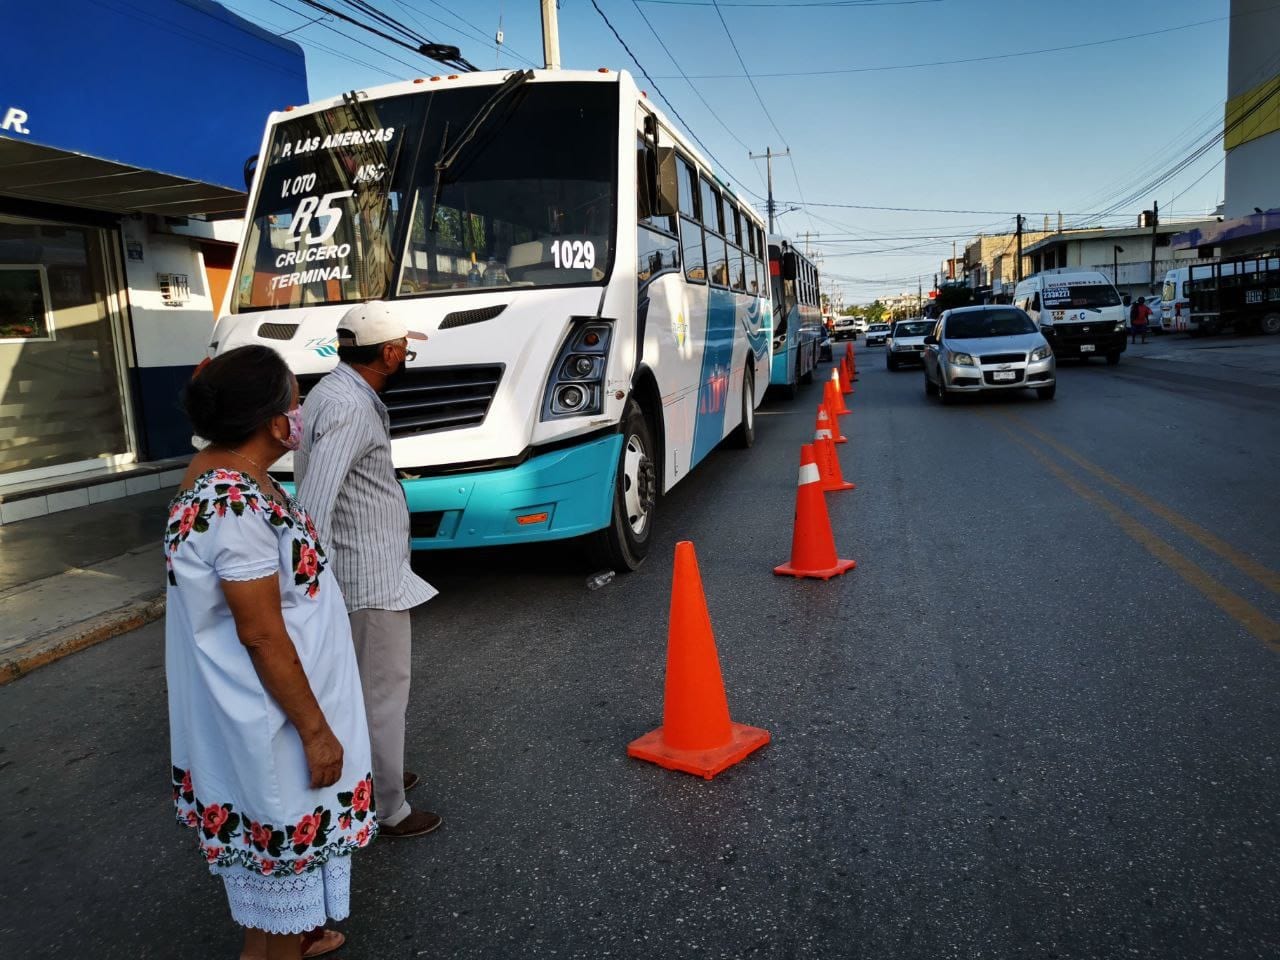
(41, 650)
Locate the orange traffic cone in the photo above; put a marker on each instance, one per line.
(827, 426)
(836, 403)
(813, 549)
(824, 451)
(846, 377)
(696, 735)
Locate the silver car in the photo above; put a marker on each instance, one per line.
(972, 349)
(876, 333)
(906, 342)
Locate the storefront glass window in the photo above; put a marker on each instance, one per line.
(60, 398)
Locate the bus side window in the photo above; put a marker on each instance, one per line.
(691, 253)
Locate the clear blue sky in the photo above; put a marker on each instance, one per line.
(1072, 130)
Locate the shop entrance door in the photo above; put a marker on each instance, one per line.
(62, 406)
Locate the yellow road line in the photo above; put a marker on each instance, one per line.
(1235, 606)
(1210, 541)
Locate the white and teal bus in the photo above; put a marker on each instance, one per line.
(596, 298)
(797, 312)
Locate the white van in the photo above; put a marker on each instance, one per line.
(1079, 312)
(1175, 302)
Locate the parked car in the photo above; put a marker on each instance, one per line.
(844, 329)
(877, 333)
(974, 349)
(906, 342)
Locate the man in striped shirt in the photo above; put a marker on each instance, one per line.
(347, 482)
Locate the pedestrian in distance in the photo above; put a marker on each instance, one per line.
(1139, 319)
(347, 482)
(270, 748)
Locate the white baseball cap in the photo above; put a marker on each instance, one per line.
(371, 323)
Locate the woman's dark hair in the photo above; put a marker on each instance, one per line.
(232, 395)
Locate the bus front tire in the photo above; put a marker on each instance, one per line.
(624, 543)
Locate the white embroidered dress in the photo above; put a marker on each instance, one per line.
(240, 776)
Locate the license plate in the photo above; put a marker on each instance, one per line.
(1004, 375)
(1086, 348)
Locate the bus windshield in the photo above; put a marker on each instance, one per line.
(348, 207)
(1090, 296)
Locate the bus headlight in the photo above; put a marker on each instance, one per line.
(575, 387)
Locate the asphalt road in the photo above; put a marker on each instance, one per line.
(1040, 719)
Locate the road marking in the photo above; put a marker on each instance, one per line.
(1210, 541)
(1235, 606)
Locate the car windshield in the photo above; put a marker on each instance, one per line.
(976, 324)
(877, 328)
(913, 328)
(1072, 296)
(347, 208)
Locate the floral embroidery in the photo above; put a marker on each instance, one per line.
(236, 493)
(227, 838)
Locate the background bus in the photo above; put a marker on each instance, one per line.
(797, 316)
(593, 293)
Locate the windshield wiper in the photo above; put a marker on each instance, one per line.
(448, 155)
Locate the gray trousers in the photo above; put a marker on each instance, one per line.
(381, 640)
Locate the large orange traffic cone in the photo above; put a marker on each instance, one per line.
(813, 549)
(824, 452)
(696, 735)
(846, 377)
(827, 426)
(836, 399)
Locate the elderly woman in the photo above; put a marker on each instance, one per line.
(270, 749)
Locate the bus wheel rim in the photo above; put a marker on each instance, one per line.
(639, 481)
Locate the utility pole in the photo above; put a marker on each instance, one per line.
(1017, 264)
(767, 156)
(807, 235)
(550, 35)
(1155, 228)
(919, 296)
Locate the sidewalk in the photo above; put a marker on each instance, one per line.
(72, 579)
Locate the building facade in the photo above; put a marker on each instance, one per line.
(118, 207)
(1125, 256)
(1251, 138)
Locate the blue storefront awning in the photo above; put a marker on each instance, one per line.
(133, 105)
(1229, 231)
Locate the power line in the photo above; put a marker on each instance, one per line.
(665, 49)
(982, 59)
(656, 89)
(449, 56)
(747, 73)
(789, 6)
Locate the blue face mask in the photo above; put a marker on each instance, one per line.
(294, 440)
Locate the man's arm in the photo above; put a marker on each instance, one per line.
(338, 438)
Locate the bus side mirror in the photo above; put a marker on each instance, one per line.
(250, 168)
(789, 265)
(668, 193)
(1126, 299)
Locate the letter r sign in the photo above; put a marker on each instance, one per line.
(14, 119)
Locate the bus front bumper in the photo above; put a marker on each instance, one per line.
(551, 496)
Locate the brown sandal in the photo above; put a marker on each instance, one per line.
(318, 943)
